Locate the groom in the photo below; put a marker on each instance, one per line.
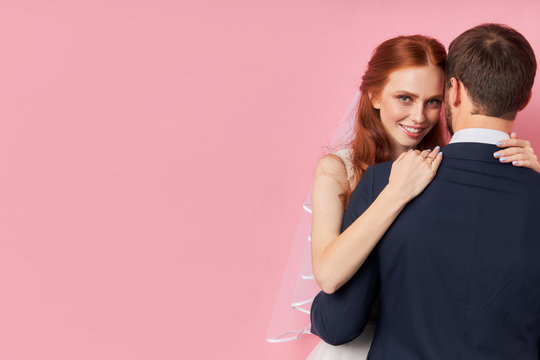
(458, 273)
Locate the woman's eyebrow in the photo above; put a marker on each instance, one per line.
(415, 96)
(405, 92)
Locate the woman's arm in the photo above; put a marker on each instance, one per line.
(340, 317)
(336, 257)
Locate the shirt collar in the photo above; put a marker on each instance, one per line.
(477, 135)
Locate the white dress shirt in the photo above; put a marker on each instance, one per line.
(477, 135)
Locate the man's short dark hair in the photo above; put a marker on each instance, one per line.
(497, 66)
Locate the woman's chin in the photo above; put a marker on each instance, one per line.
(410, 144)
(407, 142)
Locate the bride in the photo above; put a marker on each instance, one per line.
(399, 108)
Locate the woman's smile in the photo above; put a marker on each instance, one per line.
(412, 131)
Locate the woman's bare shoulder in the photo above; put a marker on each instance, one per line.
(332, 166)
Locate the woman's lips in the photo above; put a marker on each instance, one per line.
(412, 131)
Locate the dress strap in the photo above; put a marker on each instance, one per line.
(345, 155)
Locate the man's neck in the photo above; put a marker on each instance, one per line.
(483, 122)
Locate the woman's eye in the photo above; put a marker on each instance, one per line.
(404, 98)
(433, 102)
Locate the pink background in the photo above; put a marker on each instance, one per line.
(154, 156)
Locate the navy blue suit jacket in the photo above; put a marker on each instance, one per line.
(457, 273)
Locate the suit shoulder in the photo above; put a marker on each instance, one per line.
(532, 178)
(535, 175)
(378, 175)
(381, 171)
(381, 168)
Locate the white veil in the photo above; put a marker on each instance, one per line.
(298, 288)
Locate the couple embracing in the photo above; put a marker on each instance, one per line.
(439, 245)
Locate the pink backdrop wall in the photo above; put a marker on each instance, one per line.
(154, 156)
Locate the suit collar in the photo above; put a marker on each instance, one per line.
(471, 151)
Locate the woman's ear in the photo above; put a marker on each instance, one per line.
(375, 101)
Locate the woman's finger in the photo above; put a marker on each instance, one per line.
(431, 155)
(517, 157)
(512, 151)
(425, 153)
(412, 154)
(435, 152)
(436, 161)
(522, 163)
(400, 157)
(514, 142)
(528, 164)
(529, 161)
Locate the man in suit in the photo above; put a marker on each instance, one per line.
(458, 272)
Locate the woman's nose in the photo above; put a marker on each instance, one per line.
(417, 113)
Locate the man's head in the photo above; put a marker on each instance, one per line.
(494, 67)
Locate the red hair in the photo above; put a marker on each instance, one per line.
(371, 144)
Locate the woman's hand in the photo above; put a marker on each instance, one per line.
(413, 171)
(518, 152)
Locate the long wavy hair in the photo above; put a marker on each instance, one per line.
(371, 143)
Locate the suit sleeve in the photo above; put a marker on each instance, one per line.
(340, 317)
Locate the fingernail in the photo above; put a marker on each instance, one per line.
(437, 147)
(428, 150)
(409, 150)
(440, 153)
(497, 154)
(499, 143)
(515, 162)
(503, 159)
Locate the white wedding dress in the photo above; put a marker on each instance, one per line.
(358, 348)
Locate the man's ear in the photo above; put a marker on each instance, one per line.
(375, 100)
(527, 101)
(455, 92)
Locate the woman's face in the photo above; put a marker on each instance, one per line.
(410, 105)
